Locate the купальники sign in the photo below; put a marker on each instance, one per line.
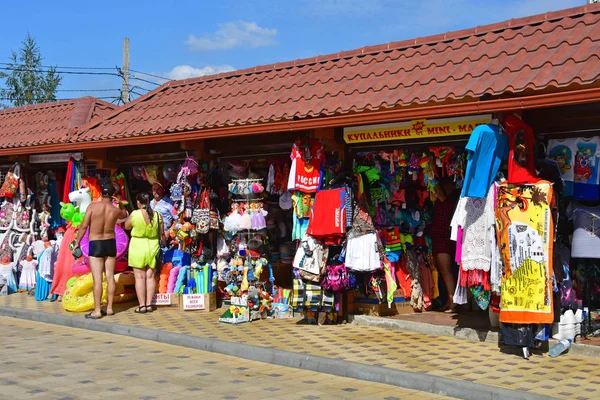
(416, 129)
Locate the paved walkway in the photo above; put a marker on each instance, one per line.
(571, 377)
(54, 362)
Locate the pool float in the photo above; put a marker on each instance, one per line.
(163, 281)
(82, 266)
(79, 296)
(120, 236)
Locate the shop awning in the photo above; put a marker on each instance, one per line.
(47, 123)
(540, 61)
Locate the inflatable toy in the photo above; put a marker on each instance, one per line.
(79, 296)
(76, 214)
(71, 281)
(81, 267)
(173, 274)
(163, 281)
(120, 235)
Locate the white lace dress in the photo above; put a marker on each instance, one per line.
(477, 218)
(28, 274)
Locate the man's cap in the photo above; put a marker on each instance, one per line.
(108, 190)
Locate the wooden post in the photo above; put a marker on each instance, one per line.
(125, 87)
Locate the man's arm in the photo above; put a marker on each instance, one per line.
(127, 225)
(122, 209)
(84, 226)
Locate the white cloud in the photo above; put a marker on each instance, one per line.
(187, 71)
(233, 34)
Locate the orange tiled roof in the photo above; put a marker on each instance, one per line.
(48, 123)
(551, 50)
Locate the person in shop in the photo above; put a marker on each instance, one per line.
(147, 230)
(443, 247)
(162, 204)
(101, 218)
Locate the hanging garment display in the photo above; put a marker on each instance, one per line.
(586, 235)
(476, 217)
(578, 161)
(329, 214)
(525, 235)
(521, 163)
(487, 147)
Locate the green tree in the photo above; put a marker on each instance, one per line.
(25, 80)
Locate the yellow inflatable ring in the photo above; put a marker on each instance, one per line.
(79, 296)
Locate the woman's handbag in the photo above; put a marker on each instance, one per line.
(159, 255)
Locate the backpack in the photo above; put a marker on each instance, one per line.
(336, 278)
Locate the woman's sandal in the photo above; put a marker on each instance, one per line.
(140, 310)
(149, 309)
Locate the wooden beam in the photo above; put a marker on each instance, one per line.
(328, 137)
(199, 147)
(101, 158)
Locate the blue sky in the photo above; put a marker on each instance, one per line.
(191, 38)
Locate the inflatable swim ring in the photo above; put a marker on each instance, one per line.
(79, 295)
(120, 235)
(82, 266)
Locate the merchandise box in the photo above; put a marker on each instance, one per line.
(229, 318)
(282, 311)
(198, 302)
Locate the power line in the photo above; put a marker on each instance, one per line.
(63, 67)
(144, 80)
(60, 72)
(154, 76)
(79, 90)
(61, 99)
(140, 87)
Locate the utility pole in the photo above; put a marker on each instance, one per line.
(125, 88)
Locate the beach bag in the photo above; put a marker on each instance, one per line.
(202, 213)
(189, 167)
(336, 278)
(310, 259)
(214, 219)
(11, 182)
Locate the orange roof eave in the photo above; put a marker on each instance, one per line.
(402, 114)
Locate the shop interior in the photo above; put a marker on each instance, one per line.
(285, 224)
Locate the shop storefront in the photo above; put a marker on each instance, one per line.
(395, 201)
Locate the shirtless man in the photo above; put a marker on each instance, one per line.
(101, 218)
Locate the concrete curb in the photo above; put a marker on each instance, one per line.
(426, 329)
(343, 368)
(578, 349)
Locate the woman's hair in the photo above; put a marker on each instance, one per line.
(144, 200)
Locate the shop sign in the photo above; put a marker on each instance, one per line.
(193, 302)
(161, 299)
(416, 129)
(53, 158)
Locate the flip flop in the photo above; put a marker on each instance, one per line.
(90, 316)
(104, 313)
(140, 310)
